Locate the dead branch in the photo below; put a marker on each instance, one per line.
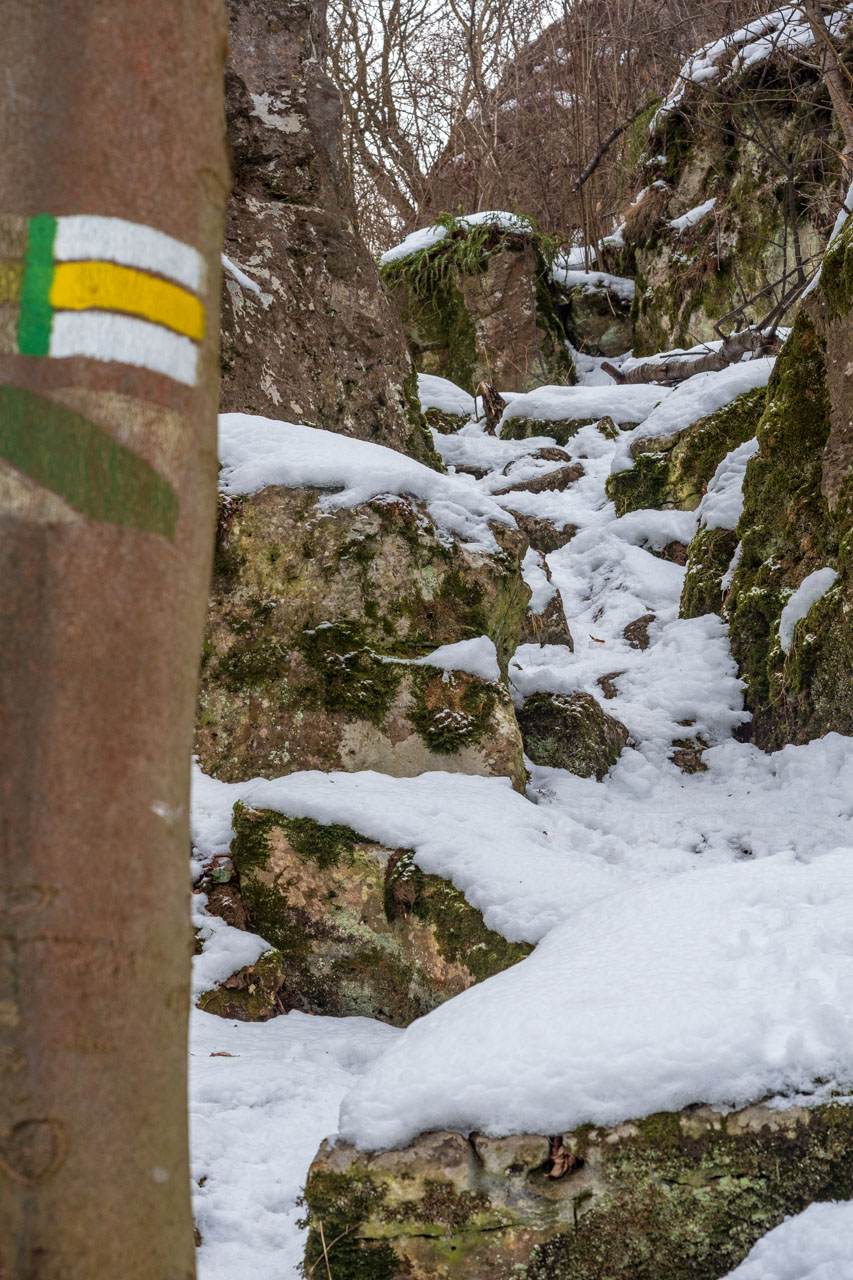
(734, 348)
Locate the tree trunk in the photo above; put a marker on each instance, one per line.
(832, 72)
(113, 169)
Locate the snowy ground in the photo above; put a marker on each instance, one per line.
(694, 926)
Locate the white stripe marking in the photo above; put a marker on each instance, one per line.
(81, 237)
(105, 336)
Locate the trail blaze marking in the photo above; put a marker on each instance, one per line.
(104, 288)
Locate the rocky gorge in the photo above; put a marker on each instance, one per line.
(523, 755)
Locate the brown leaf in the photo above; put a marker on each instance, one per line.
(562, 1161)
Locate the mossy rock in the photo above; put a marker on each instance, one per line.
(480, 305)
(560, 430)
(356, 929)
(549, 626)
(672, 472)
(446, 424)
(708, 557)
(726, 140)
(674, 1196)
(570, 731)
(798, 517)
(598, 321)
(314, 619)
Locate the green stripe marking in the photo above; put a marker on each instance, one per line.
(96, 475)
(36, 312)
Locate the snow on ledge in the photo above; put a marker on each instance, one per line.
(477, 657)
(426, 237)
(440, 393)
(693, 216)
(807, 593)
(257, 452)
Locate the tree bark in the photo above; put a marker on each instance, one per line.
(832, 72)
(733, 350)
(114, 180)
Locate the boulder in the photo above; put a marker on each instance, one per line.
(315, 619)
(571, 732)
(797, 521)
(737, 193)
(671, 472)
(598, 320)
(479, 305)
(355, 929)
(674, 1196)
(549, 626)
(312, 335)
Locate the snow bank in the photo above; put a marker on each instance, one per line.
(807, 593)
(262, 1098)
(721, 507)
(559, 404)
(695, 398)
(441, 393)
(815, 1245)
(257, 452)
(719, 987)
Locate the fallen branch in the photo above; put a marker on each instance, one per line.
(678, 368)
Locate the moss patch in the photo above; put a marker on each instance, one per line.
(571, 732)
(708, 557)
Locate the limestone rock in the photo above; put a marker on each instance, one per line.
(798, 518)
(672, 471)
(357, 929)
(549, 626)
(320, 342)
(314, 619)
(542, 534)
(598, 321)
(480, 306)
(674, 1196)
(724, 141)
(571, 732)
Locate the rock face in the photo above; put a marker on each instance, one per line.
(480, 306)
(672, 471)
(675, 1196)
(320, 341)
(598, 320)
(314, 619)
(798, 519)
(571, 732)
(730, 140)
(357, 929)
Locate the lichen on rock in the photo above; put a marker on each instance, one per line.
(571, 732)
(674, 1196)
(480, 306)
(314, 621)
(354, 928)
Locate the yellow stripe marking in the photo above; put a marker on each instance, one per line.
(77, 286)
(11, 274)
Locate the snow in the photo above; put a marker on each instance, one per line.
(426, 237)
(807, 593)
(240, 275)
(692, 932)
(693, 216)
(815, 1245)
(722, 505)
(693, 399)
(559, 404)
(262, 1098)
(258, 452)
(478, 657)
(711, 991)
(785, 30)
(441, 393)
(594, 282)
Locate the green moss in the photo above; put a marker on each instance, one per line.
(571, 732)
(836, 278)
(786, 529)
(340, 1203)
(645, 485)
(354, 680)
(708, 557)
(561, 432)
(674, 471)
(451, 710)
(251, 994)
(460, 933)
(325, 844)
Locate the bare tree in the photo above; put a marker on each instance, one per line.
(114, 179)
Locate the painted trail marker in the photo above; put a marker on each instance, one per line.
(101, 287)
